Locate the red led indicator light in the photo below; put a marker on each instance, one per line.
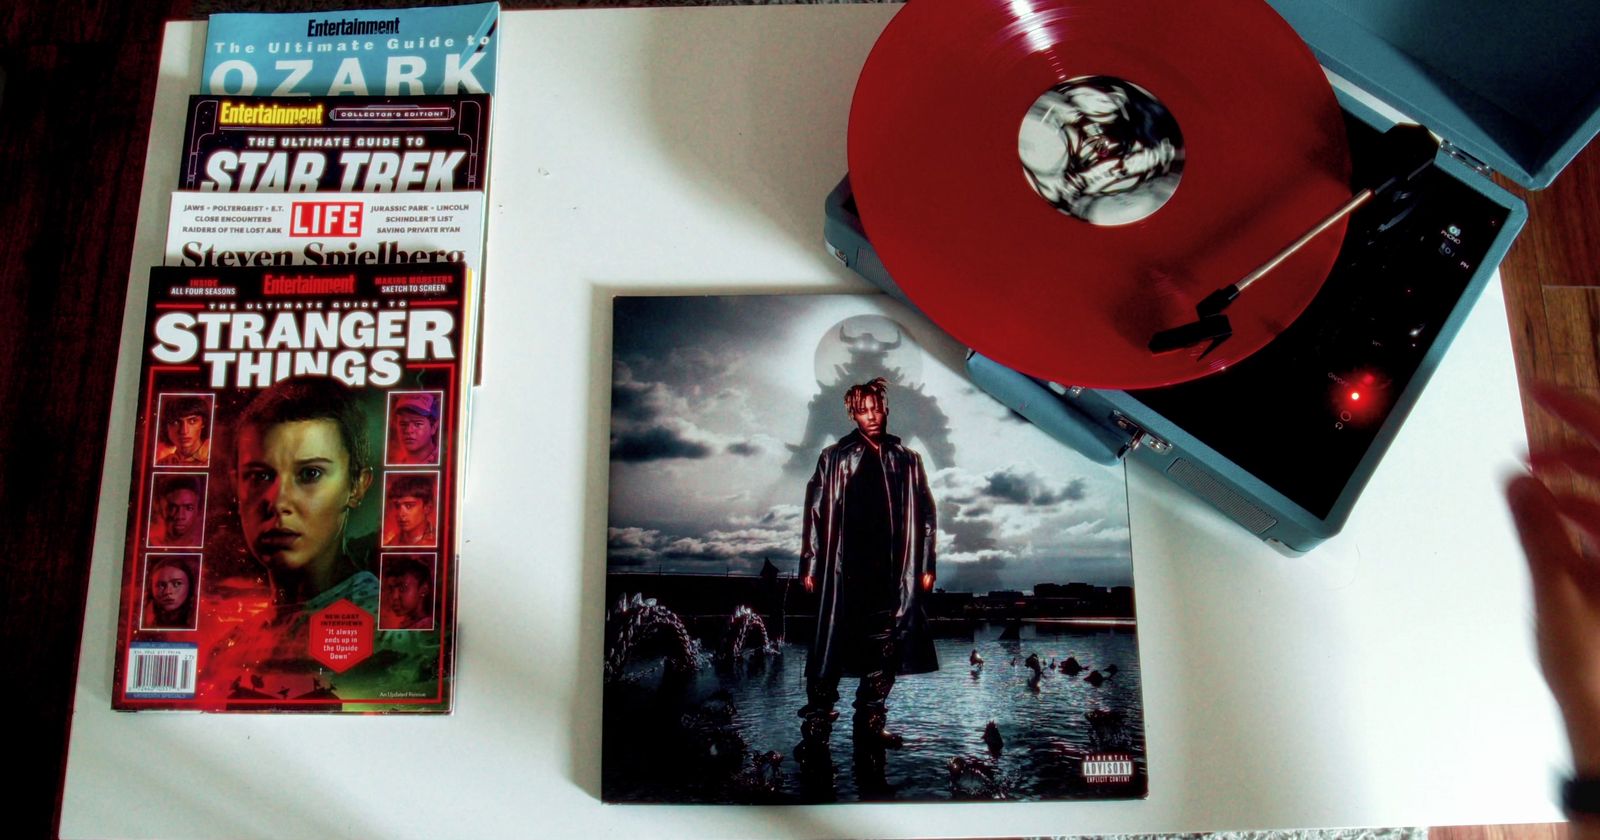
(1355, 396)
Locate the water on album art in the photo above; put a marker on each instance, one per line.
(758, 442)
(1101, 149)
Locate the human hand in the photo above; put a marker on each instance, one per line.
(810, 583)
(927, 581)
(1559, 527)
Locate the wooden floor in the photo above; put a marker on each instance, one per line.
(1552, 284)
(78, 81)
(1551, 831)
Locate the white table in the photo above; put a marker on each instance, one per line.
(1386, 679)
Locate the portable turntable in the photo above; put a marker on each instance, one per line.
(1283, 439)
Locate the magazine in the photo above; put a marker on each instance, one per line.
(291, 531)
(378, 52)
(336, 144)
(837, 571)
(208, 229)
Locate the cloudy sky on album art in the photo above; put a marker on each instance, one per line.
(721, 405)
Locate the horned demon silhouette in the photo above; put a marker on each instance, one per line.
(867, 355)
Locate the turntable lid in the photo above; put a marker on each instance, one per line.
(1515, 85)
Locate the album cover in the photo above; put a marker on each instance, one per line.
(837, 571)
(335, 144)
(292, 529)
(376, 52)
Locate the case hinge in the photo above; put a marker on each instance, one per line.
(1471, 162)
(1138, 436)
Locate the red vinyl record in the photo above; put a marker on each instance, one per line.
(1054, 182)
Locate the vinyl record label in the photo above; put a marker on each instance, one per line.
(1101, 149)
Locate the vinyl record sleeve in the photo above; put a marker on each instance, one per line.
(292, 525)
(724, 411)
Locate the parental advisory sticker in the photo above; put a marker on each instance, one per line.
(163, 670)
(1108, 768)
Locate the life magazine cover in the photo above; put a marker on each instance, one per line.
(291, 526)
(335, 144)
(837, 571)
(375, 52)
(209, 229)
(417, 229)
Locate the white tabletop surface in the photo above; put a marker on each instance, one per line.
(1387, 678)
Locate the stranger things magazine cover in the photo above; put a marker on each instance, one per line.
(836, 571)
(292, 523)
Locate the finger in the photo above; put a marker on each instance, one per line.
(1544, 536)
(1583, 460)
(1579, 411)
(1552, 560)
(1582, 512)
(1558, 570)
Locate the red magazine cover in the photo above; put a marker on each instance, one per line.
(292, 520)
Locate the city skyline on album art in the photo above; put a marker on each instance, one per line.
(720, 408)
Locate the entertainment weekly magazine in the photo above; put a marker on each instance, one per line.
(335, 144)
(837, 571)
(292, 526)
(388, 52)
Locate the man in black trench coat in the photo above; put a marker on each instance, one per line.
(867, 549)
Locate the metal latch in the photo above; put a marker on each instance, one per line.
(1471, 162)
(837, 253)
(1137, 436)
(1065, 391)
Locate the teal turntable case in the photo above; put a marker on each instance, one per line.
(1513, 85)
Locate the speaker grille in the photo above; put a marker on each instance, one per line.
(1237, 508)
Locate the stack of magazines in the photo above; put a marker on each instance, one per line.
(309, 352)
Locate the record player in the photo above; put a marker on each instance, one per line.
(1284, 440)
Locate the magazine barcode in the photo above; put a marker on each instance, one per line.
(164, 671)
(160, 670)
